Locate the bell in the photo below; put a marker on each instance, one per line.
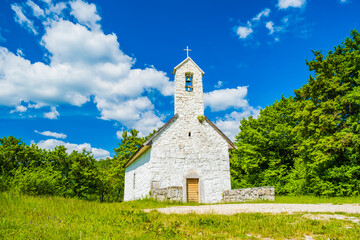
(188, 79)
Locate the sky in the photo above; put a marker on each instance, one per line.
(78, 73)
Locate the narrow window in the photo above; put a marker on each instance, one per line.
(189, 134)
(188, 82)
(134, 181)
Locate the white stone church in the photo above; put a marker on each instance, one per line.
(188, 152)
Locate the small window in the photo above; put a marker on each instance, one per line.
(188, 82)
(134, 181)
(189, 134)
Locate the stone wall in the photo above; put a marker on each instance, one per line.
(248, 194)
(168, 194)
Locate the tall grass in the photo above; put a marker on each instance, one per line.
(24, 217)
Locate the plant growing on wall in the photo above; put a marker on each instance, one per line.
(201, 118)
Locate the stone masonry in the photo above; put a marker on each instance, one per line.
(168, 194)
(248, 194)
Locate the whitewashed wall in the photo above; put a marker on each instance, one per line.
(141, 169)
(175, 156)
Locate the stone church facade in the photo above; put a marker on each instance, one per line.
(189, 152)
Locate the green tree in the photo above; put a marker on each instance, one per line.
(309, 144)
(265, 153)
(130, 143)
(328, 116)
(78, 171)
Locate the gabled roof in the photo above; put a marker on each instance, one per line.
(147, 144)
(183, 62)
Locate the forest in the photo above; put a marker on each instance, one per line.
(305, 144)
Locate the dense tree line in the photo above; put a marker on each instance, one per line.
(309, 143)
(34, 171)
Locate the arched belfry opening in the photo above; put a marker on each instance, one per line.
(189, 81)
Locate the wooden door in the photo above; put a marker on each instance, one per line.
(192, 186)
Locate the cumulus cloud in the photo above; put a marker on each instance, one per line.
(284, 4)
(223, 99)
(230, 98)
(85, 13)
(52, 134)
(230, 123)
(22, 19)
(50, 144)
(19, 108)
(37, 11)
(272, 29)
(53, 114)
(255, 24)
(219, 84)
(264, 13)
(83, 63)
(244, 31)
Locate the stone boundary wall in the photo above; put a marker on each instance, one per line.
(168, 194)
(248, 194)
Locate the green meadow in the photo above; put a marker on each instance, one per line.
(26, 217)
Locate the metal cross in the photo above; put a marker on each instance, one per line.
(187, 50)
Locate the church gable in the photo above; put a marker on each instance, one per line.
(147, 144)
(188, 59)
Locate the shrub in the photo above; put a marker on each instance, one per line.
(37, 181)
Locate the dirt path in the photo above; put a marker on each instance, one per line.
(229, 209)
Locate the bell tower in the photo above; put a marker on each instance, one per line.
(188, 88)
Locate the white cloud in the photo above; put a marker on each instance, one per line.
(223, 99)
(85, 13)
(243, 32)
(52, 134)
(264, 13)
(19, 108)
(230, 124)
(53, 114)
(55, 10)
(37, 11)
(83, 62)
(272, 29)
(119, 134)
(218, 84)
(284, 4)
(22, 19)
(50, 144)
(270, 26)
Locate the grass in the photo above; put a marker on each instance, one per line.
(24, 217)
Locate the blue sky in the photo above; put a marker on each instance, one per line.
(79, 72)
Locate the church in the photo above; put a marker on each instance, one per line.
(189, 152)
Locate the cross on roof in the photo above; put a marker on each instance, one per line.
(187, 51)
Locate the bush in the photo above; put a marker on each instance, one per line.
(37, 181)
